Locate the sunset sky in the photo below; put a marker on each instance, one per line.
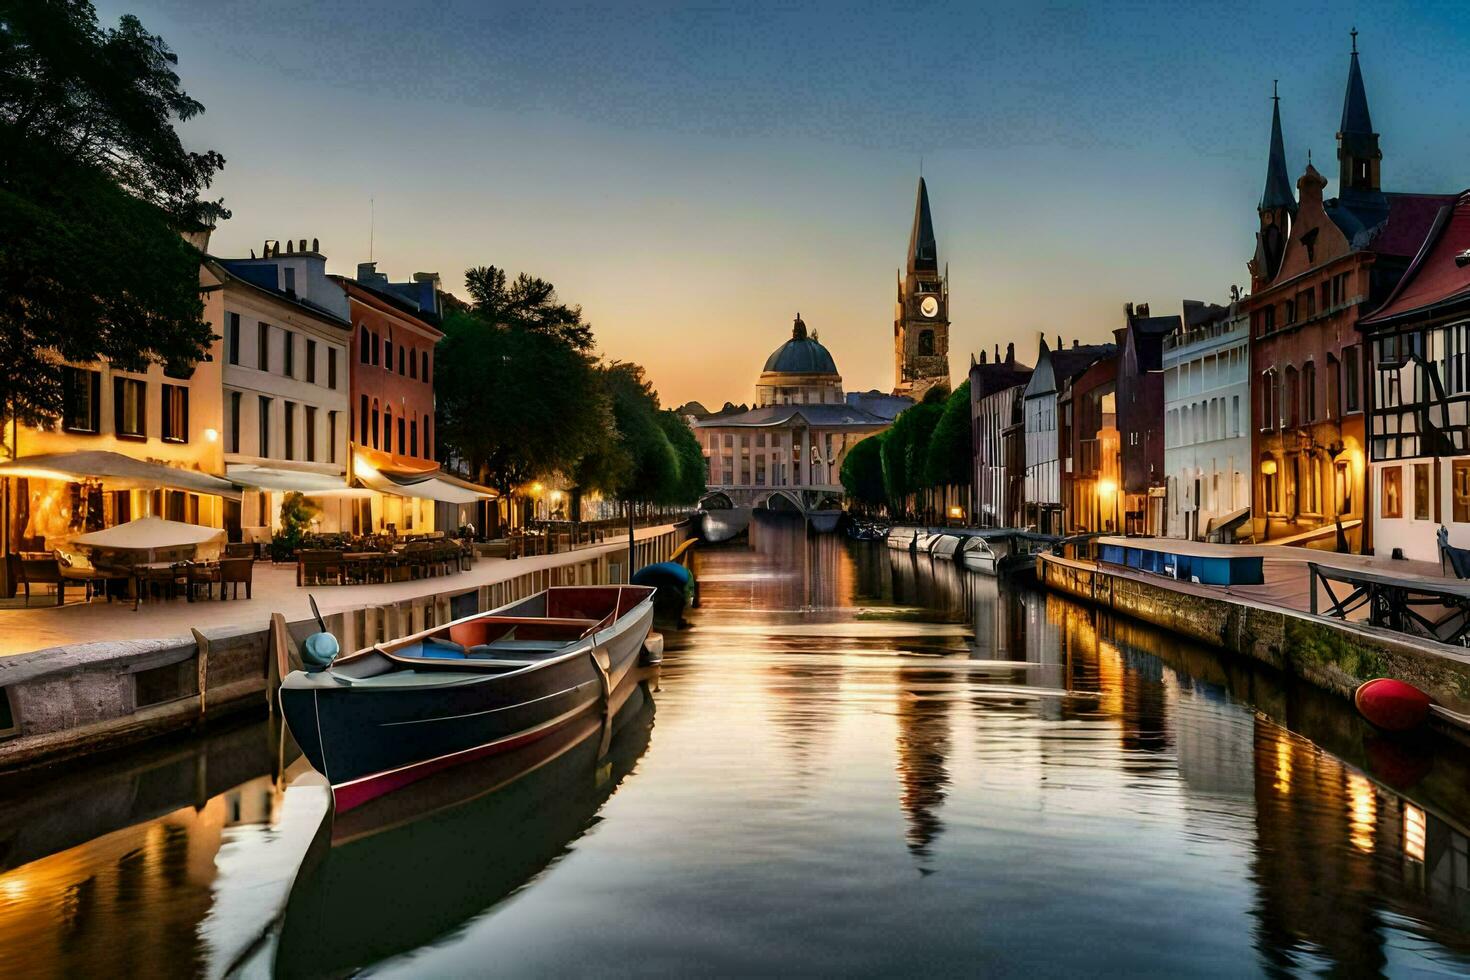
(694, 177)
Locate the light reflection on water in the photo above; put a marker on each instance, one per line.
(857, 762)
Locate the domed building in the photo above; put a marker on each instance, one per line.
(799, 372)
(793, 441)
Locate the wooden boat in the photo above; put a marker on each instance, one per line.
(396, 712)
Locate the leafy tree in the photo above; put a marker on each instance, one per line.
(95, 185)
(906, 449)
(527, 303)
(862, 471)
(692, 468)
(635, 407)
(296, 516)
(514, 404)
(949, 459)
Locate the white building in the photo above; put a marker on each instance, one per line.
(1046, 429)
(285, 374)
(1207, 442)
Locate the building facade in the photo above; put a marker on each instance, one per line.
(921, 315)
(1419, 417)
(1338, 259)
(996, 390)
(286, 346)
(1047, 433)
(795, 439)
(1140, 418)
(1091, 489)
(1207, 442)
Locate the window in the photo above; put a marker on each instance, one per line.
(413, 438)
(1309, 391)
(1392, 492)
(375, 423)
(233, 445)
(428, 454)
(424, 367)
(388, 428)
(175, 413)
(1293, 397)
(288, 411)
(263, 346)
(288, 347)
(401, 355)
(1235, 415)
(364, 346)
(1350, 379)
(1306, 304)
(377, 353)
(309, 425)
(130, 408)
(332, 368)
(81, 400)
(331, 437)
(1421, 491)
(232, 337)
(1270, 486)
(1460, 488)
(290, 280)
(402, 446)
(265, 426)
(310, 361)
(413, 365)
(362, 421)
(388, 355)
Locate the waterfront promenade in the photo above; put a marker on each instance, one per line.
(44, 626)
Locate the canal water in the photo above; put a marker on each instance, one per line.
(855, 762)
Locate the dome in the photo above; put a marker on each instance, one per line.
(800, 355)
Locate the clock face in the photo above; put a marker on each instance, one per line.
(929, 307)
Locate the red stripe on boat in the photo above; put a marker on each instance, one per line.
(360, 791)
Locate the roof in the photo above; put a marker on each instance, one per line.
(226, 269)
(816, 414)
(800, 355)
(987, 379)
(1355, 118)
(1435, 278)
(879, 403)
(923, 249)
(1278, 192)
(1396, 226)
(396, 302)
(1069, 362)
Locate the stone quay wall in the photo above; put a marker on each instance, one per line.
(73, 701)
(1331, 654)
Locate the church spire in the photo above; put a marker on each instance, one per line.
(923, 249)
(1357, 144)
(1278, 183)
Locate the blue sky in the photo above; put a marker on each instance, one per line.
(693, 176)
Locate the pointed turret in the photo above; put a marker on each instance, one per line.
(1278, 182)
(1358, 154)
(923, 249)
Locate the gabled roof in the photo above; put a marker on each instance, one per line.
(1396, 226)
(923, 249)
(987, 379)
(1436, 278)
(1278, 193)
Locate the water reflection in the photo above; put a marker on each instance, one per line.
(866, 762)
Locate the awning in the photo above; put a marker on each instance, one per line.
(309, 482)
(121, 471)
(432, 485)
(149, 533)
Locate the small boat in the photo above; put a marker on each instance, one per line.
(396, 712)
(984, 554)
(1392, 706)
(902, 538)
(945, 545)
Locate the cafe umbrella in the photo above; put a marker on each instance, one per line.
(148, 535)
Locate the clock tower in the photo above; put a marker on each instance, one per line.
(921, 317)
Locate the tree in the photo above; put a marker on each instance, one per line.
(905, 451)
(951, 451)
(862, 472)
(655, 464)
(692, 467)
(514, 404)
(95, 186)
(528, 303)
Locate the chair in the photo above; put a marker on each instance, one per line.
(234, 572)
(37, 569)
(169, 576)
(205, 574)
(240, 549)
(318, 567)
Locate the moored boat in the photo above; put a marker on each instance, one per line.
(984, 553)
(391, 714)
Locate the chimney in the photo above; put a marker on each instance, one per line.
(997, 353)
(1076, 343)
(1142, 309)
(1010, 352)
(303, 245)
(982, 357)
(315, 245)
(1128, 310)
(1059, 342)
(290, 247)
(270, 246)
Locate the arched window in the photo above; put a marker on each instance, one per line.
(428, 454)
(1270, 405)
(424, 367)
(413, 438)
(1293, 396)
(375, 423)
(362, 423)
(402, 353)
(364, 345)
(926, 343)
(388, 427)
(388, 355)
(1309, 391)
(376, 345)
(413, 364)
(402, 438)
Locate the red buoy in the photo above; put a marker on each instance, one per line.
(1392, 705)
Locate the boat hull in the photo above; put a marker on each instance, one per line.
(370, 740)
